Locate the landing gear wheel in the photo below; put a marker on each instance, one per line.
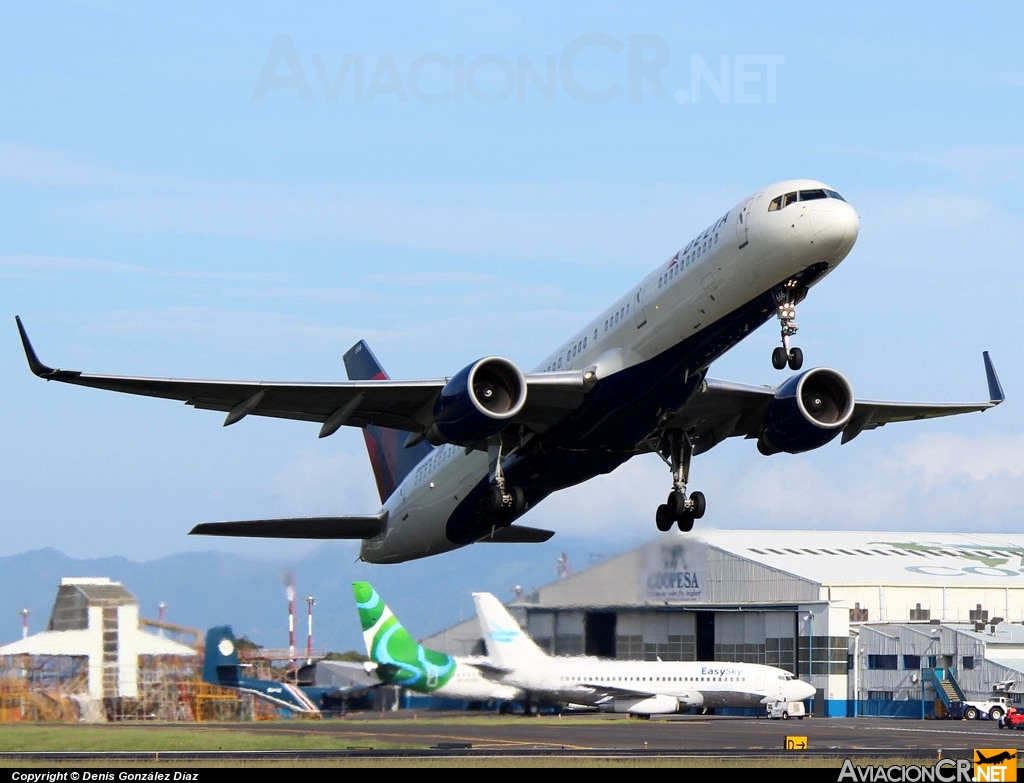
(699, 505)
(796, 359)
(779, 358)
(685, 522)
(664, 518)
(495, 499)
(518, 500)
(676, 503)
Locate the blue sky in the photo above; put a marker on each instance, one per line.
(233, 190)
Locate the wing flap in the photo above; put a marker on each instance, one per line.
(347, 527)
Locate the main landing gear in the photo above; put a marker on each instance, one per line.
(784, 355)
(503, 500)
(679, 509)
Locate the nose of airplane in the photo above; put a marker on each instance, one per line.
(801, 690)
(835, 226)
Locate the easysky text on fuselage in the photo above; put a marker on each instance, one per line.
(459, 459)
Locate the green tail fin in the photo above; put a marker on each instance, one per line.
(400, 659)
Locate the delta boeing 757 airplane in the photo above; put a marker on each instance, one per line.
(459, 459)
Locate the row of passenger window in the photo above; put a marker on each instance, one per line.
(581, 345)
(687, 259)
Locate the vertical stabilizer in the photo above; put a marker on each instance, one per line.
(400, 659)
(220, 658)
(507, 643)
(222, 667)
(390, 460)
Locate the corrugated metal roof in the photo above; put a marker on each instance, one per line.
(879, 557)
(98, 591)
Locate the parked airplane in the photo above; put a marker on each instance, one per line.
(221, 666)
(641, 688)
(397, 658)
(459, 459)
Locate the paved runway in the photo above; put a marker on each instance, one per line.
(696, 734)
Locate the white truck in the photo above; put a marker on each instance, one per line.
(786, 710)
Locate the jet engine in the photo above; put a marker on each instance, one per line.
(656, 704)
(479, 401)
(808, 411)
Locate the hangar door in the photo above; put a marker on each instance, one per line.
(705, 636)
(599, 632)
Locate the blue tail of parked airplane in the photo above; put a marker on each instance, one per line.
(222, 667)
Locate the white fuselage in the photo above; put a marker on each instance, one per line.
(743, 254)
(653, 687)
(469, 684)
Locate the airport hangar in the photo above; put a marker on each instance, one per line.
(880, 620)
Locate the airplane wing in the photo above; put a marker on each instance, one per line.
(401, 405)
(603, 693)
(723, 409)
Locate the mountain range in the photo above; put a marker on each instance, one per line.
(200, 590)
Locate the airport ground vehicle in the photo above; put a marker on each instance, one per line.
(993, 708)
(786, 710)
(1013, 719)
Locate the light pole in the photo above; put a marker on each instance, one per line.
(310, 601)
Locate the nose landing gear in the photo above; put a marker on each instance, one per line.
(784, 355)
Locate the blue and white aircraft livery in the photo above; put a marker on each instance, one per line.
(641, 688)
(460, 459)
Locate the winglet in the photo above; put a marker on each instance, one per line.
(36, 366)
(995, 389)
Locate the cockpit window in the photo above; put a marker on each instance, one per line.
(783, 201)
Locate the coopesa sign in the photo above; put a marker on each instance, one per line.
(972, 570)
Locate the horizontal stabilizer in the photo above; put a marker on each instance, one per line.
(517, 534)
(351, 527)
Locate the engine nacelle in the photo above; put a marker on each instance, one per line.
(658, 704)
(808, 411)
(479, 401)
